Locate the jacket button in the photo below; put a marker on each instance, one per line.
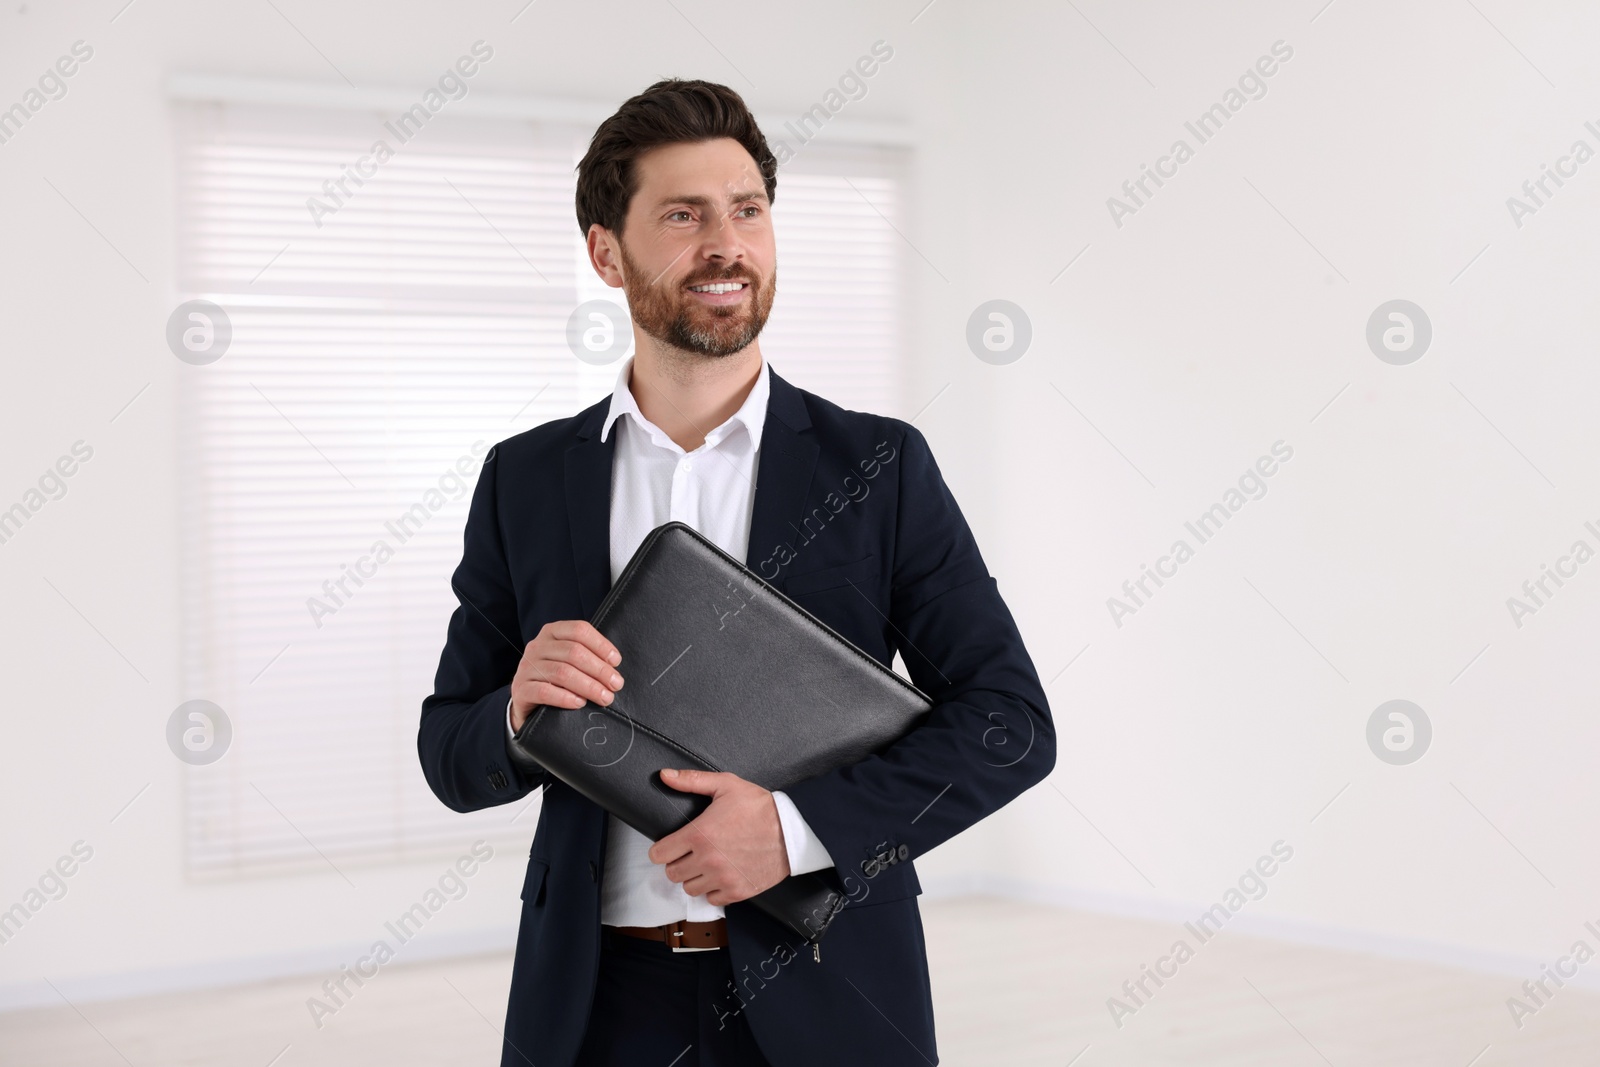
(594, 872)
(905, 851)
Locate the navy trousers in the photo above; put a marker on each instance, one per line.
(663, 1008)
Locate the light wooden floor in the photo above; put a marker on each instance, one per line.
(1015, 984)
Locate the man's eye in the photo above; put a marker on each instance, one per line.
(675, 214)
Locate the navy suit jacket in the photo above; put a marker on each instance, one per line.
(853, 521)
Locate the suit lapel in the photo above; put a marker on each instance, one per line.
(588, 479)
(784, 468)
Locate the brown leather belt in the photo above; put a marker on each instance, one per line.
(682, 936)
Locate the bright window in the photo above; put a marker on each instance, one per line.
(423, 320)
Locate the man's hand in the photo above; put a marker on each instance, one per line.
(735, 848)
(568, 664)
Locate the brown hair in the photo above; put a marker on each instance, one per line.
(672, 111)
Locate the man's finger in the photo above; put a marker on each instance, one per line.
(569, 677)
(674, 846)
(585, 633)
(695, 781)
(581, 657)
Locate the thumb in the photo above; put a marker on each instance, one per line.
(692, 781)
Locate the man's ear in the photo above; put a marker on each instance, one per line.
(605, 255)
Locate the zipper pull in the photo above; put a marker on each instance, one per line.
(816, 951)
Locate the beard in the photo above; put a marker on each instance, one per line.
(672, 316)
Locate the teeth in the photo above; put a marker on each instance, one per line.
(719, 287)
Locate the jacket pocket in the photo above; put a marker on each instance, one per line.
(888, 886)
(831, 577)
(533, 884)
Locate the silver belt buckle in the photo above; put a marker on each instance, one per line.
(685, 948)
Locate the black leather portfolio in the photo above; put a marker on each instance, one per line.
(723, 673)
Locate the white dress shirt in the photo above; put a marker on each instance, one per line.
(712, 489)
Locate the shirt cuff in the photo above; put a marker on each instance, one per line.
(806, 850)
(510, 733)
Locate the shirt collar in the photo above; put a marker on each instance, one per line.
(752, 414)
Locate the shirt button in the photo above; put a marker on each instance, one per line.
(685, 465)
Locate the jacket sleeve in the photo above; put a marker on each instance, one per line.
(462, 739)
(989, 736)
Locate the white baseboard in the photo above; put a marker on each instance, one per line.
(1290, 931)
(311, 964)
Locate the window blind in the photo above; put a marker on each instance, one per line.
(375, 356)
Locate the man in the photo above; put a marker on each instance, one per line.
(633, 952)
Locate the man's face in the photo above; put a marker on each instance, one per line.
(700, 216)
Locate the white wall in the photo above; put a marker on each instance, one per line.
(1192, 337)
(1206, 328)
